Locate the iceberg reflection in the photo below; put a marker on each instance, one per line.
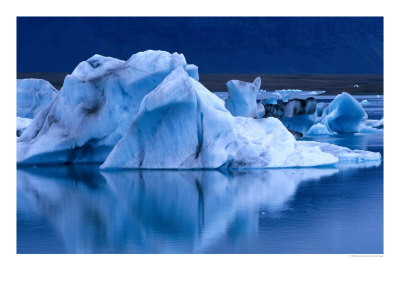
(149, 211)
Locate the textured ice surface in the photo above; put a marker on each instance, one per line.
(242, 97)
(344, 114)
(345, 154)
(33, 95)
(319, 129)
(95, 107)
(179, 125)
(266, 143)
(22, 124)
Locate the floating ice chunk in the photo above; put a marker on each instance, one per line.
(242, 97)
(364, 102)
(94, 108)
(344, 114)
(369, 129)
(374, 123)
(319, 129)
(33, 95)
(356, 85)
(180, 125)
(345, 154)
(22, 124)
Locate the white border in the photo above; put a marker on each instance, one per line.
(198, 276)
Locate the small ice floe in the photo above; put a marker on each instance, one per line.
(356, 85)
(364, 102)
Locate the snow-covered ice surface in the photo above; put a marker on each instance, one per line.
(33, 95)
(242, 98)
(95, 107)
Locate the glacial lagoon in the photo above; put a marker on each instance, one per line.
(80, 209)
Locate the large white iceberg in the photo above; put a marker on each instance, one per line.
(179, 125)
(32, 96)
(242, 98)
(95, 107)
(182, 125)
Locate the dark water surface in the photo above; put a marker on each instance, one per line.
(78, 209)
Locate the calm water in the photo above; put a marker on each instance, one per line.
(78, 209)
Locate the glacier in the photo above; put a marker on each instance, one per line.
(95, 107)
(242, 98)
(32, 96)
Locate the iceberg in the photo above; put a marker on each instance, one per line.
(344, 114)
(364, 102)
(182, 125)
(95, 107)
(22, 124)
(319, 129)
(242, 98)
(179, 125)
(33, 95)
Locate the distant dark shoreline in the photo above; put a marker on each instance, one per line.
(331, 83)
